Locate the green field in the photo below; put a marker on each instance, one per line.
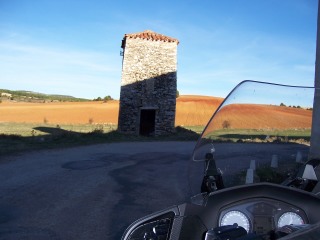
(35, 129)
(16, 137)
(197, 129)
(262, 135)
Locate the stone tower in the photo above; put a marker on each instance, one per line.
(148, 84)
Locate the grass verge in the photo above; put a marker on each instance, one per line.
(262, 135)
(19, 137)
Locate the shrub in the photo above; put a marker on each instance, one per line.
(97, 130)
(97, 99)
(226, 124)
(107, 98)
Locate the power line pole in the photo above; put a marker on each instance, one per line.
(315, 133)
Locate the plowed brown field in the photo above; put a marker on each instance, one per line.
(250, 116)
(195, 110)
(191, 111)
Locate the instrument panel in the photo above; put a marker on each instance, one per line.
(261, 215)
(260, 208)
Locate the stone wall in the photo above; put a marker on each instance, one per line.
(149, 81)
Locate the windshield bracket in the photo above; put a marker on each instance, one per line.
(212, 180)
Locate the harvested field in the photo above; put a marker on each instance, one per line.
(195, 110)
(61, 112)
(245, 116)
(191, 111)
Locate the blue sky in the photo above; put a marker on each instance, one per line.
(72, 47)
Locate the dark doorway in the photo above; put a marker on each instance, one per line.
(147, 122)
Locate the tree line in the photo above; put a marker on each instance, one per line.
(106, 98)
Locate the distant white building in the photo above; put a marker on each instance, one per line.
(8, 95)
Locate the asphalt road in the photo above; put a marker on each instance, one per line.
(91, 192)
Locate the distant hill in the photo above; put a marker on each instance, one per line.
(29, 96)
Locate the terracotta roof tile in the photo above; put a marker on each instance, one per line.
(150, 35)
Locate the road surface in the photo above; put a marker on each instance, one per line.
(91, 192)
(95, 192)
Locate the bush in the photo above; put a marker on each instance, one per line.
(226, 124)
(107, 98)
(97, 130)
(97, 99)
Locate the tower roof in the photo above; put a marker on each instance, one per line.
(150, 35)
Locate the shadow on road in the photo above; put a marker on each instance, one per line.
(56, 137)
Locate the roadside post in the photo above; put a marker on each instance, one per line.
(315, 132)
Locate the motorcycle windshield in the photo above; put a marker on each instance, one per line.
(260, 133)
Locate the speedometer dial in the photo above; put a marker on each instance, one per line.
(237, 217)
(290, 218)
